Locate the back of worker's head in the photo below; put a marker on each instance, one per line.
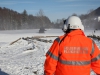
(72, 23)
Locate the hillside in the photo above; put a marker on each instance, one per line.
(96, 12)
(12, 20)
(90, 20)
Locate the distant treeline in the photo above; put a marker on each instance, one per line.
(12, 20)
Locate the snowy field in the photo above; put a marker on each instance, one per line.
(26, 57)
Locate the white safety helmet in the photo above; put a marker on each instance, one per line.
(73, 22)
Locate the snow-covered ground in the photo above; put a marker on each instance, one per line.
(26, 57)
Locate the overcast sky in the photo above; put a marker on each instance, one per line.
(53, 9)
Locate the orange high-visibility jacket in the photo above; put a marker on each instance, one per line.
(76, 54)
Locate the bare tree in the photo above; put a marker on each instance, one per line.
(40, 15)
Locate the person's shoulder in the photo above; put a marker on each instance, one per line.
(58, 39)
(89, 38)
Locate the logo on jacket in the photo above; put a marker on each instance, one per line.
(76, 50)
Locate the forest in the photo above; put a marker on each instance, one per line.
(12, 20)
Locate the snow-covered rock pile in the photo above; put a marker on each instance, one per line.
(23, 58)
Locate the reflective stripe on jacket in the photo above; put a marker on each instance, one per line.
(76, 54)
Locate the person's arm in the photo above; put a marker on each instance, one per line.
(52, 58)
(95, 59)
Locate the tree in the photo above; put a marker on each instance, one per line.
(24, 19)
(40, 15)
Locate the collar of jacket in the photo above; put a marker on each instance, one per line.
(76, 32)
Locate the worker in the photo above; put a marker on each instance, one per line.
(72, 53)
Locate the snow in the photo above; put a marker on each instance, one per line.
(98, 18)
(26, 57)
